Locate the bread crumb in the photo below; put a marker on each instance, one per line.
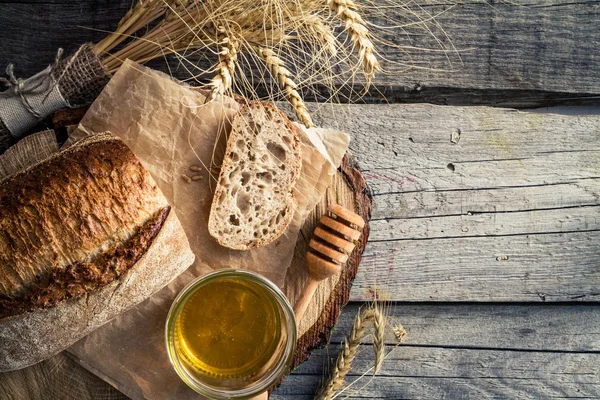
(186, 178)
(196, 168)
(196, 177)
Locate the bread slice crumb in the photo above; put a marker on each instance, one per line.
(253, 202)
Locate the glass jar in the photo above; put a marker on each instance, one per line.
(231, 334)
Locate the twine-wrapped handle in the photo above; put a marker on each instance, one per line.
(68, 82)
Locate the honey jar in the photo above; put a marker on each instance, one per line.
(231, 334)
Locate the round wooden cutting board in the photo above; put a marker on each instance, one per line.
(61, 377)
(350, 190)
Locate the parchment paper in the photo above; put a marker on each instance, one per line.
(170, 127)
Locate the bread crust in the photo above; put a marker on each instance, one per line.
(90, 226)
(71, 207)
(34, 336)
(241, 232)
(88, 275)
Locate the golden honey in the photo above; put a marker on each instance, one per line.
(230, 332)
(228, 328)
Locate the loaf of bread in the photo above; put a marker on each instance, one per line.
(253, 203)
(84, 235)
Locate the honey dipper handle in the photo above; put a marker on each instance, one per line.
(305, 298)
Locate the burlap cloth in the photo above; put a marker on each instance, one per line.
(71, 82)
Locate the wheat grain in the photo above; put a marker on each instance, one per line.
(345, 358)
(399, 333)
(336, 380)
(359, 34)
(303, 30)
(278, 69)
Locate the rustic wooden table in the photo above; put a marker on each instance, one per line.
(486, 221)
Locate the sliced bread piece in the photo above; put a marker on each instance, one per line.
(253, 202)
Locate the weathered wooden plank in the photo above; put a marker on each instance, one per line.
(536, 327)
(471, 352)
(33, 31)
(571, 219)
(531, 267)
(519, 55)
(535, 171)
(424, 136)
(581, 192)
(499, 42)
(427, 148)
(507, 210)
(460, 387)
(475, 348)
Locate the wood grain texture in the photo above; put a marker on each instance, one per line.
(477, 203)
(515, 326)
(470, 352)
(472, 380)
(452, 350)
(511, 54)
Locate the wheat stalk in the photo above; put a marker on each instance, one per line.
(346, 356)
(350, 349)
(359, 34)
(176, 10)
(140, 15)
(302, 30)
(278, 69)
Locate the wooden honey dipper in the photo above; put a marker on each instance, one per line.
(337, 235)
(333, 241)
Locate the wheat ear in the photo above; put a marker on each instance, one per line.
(379, 323)
(350, 349)
(359, 34)
(323, 34)
(278, 69)
(345, 358)
(223, 81)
